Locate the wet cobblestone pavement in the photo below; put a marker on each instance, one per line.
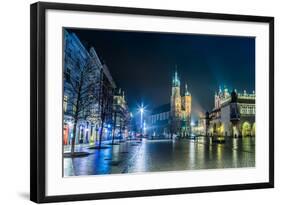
(162, 155)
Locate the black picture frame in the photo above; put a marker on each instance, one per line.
(38, 100)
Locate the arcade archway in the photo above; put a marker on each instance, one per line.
(221, 130)
(254, 130)
(235, 131)
(246, 129)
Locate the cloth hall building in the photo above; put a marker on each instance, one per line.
(233, 114)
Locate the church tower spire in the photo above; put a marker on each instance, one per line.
(176, 81)
(176, 96)
(186, 93)
(186, 112)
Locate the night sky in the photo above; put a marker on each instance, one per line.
(143, 63)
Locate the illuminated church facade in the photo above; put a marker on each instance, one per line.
(172, 119)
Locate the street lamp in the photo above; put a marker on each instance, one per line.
(144, 127)
(141, 110)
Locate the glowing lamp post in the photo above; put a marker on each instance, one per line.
(141, 110)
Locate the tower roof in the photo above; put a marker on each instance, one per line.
(220, 90)
(161, 109)
(176, 80)
(186, 93)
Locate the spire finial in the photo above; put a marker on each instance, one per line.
(225, 89)
(186, 91)
(176, 81)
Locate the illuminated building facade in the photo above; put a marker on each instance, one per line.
(180, 109)
(121, 116)
(233, 114)
(93, 112)
(173, 118)
(199, 128)
(158, 122)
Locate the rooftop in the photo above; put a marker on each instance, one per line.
(161, 109)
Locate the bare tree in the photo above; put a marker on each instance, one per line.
(106, 103)
(83, 97)
(114, 122)
(121, 114)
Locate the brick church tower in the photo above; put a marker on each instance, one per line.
(186, 113)
(180, 112)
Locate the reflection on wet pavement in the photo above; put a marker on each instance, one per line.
(162, 155)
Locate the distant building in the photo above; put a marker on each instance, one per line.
(121, 117)
(173, 118)
(199, 128)
(94, 110)
(158, 122)
(233, 114)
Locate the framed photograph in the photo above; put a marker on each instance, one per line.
(129, 102)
